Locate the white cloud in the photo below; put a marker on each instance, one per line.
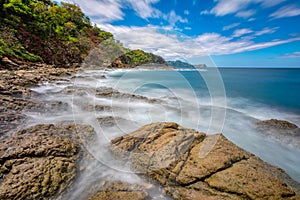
(291, 55)
(103, 11)
(106, 11)
(173, 18)
(205, 12)
(286, 11)
(225, 7)
(144, 8)
(186, 12)
(172, 45)
(240, 32)
(266, 44)
(245, 13)
(270, 3)
(111, 10)
(230, 26)
(266, 31)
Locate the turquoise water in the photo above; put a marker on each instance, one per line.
(279, 88)
(275, 91)
(226, 100)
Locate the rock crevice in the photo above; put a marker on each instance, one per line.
(192, 165)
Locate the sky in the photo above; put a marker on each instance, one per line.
(232, 33)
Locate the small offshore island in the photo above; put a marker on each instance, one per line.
(43, 43)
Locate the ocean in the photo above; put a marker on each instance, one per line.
(212, 100)
(223, 100)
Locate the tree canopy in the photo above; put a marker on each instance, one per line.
(61, 33)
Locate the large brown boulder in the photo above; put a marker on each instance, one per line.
(40, 161)
(192, 165)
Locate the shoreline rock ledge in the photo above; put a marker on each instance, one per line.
(193, 165)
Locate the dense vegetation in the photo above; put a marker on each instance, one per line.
(59, 34)
(40, 30)
(180, 64)
(133, 58)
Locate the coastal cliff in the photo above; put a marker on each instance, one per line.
(58, 34)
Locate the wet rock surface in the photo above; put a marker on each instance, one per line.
(280, 130)
(112, 93)
(40, 161)
(192, 165)
(121, 190)
(37, 162)
(15, 93)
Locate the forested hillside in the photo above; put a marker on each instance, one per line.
(51, 33)
(40, 30)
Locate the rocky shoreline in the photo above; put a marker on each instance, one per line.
(44, 160)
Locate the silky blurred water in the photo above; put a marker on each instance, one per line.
(229, 101)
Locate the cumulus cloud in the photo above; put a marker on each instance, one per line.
(175, 45)
(286, 11)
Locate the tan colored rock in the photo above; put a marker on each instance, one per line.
(191, 165)
(36, 178)
(222, 155)
(38, 162)
(251, 178)
(121, 190)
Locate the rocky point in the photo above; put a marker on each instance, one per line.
(193, 165)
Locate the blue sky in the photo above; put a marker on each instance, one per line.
(257, 33)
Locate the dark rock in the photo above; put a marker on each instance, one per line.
(281, 131)
(277, 124)
(112, 93)
(98, 108)
(192, 165)
(109, 121)
(10, 121)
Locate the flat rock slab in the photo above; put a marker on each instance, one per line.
(193, 165)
